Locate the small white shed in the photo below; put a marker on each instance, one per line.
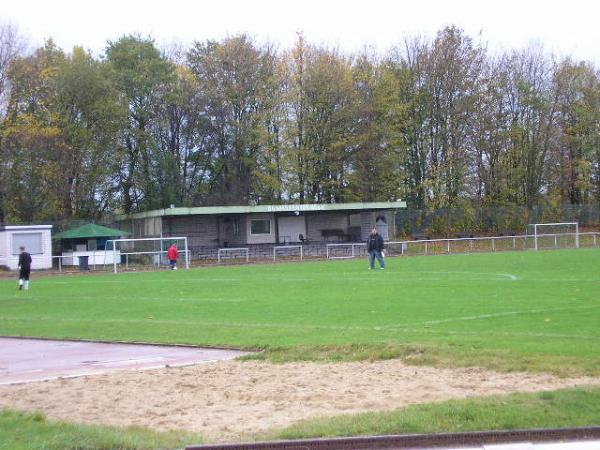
(37, 240)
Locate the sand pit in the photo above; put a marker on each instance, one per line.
(231, 400)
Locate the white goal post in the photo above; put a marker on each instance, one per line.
(288, 250)
(542, 232)
(345, 251)
(233, 253)
(150, 249)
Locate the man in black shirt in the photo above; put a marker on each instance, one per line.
(24, 268)
(375, 249)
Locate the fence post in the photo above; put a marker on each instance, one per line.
(448, 246)
(493, 245)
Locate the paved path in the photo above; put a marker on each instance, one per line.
(28, 360)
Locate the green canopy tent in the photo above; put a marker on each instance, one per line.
(91, 231)
(87, 241)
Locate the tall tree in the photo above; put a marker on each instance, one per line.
(320, 104)
(90, 117)
(141, 73)
(238, 80)
(32, 139)
(11, 47)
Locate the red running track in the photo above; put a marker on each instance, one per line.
(28, 360)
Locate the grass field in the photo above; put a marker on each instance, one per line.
(535, 311)
(512, 311)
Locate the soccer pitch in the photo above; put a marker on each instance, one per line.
(518, 305)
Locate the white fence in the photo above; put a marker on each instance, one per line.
(468, 245)
(358, 249)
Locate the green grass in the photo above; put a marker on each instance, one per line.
(533, 311)
(536, 311)
(22, 431)
(556, 409)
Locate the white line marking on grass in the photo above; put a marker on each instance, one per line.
(228, 281)
(166, 298)
(502, 333)
(492, 315)
(399, 327)
(156, 280)
(483, 275)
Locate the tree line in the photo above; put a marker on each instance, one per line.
(439, 122)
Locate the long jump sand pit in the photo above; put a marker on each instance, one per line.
(233, 400)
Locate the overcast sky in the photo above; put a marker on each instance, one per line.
(563, 27)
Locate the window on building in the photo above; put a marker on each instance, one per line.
(31, 241)
(260, 226)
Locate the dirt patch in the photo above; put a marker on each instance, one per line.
(230, 400)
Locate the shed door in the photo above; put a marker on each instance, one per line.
(290, 229)
(382, 227)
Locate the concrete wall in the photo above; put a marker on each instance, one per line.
(3, 248)
(232, 231)
(387, 229)
(315, 223)
(260, 238)
(200, 230)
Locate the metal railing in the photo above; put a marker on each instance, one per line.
(392, 248)
(493, 244)
(470, 245)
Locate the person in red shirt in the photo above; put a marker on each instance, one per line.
(172, 255)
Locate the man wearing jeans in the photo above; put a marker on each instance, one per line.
(375, 249)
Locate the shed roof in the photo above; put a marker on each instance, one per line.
(90, 230)
(212, 210)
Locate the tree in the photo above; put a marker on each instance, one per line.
(578, 86)
(320, 104)
(141, 74)
(445, 76)
(238, 80)
(31, 138)
(11, 47)
(90, 117)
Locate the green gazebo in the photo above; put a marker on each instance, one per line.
(86, 245)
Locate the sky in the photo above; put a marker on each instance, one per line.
(568, 27)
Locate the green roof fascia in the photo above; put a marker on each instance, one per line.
(214, 210)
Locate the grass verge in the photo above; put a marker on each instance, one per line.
(25, 431)
(443, 356)
(553, 409)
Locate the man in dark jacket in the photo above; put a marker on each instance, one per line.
(24, 268)
(375, 249)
